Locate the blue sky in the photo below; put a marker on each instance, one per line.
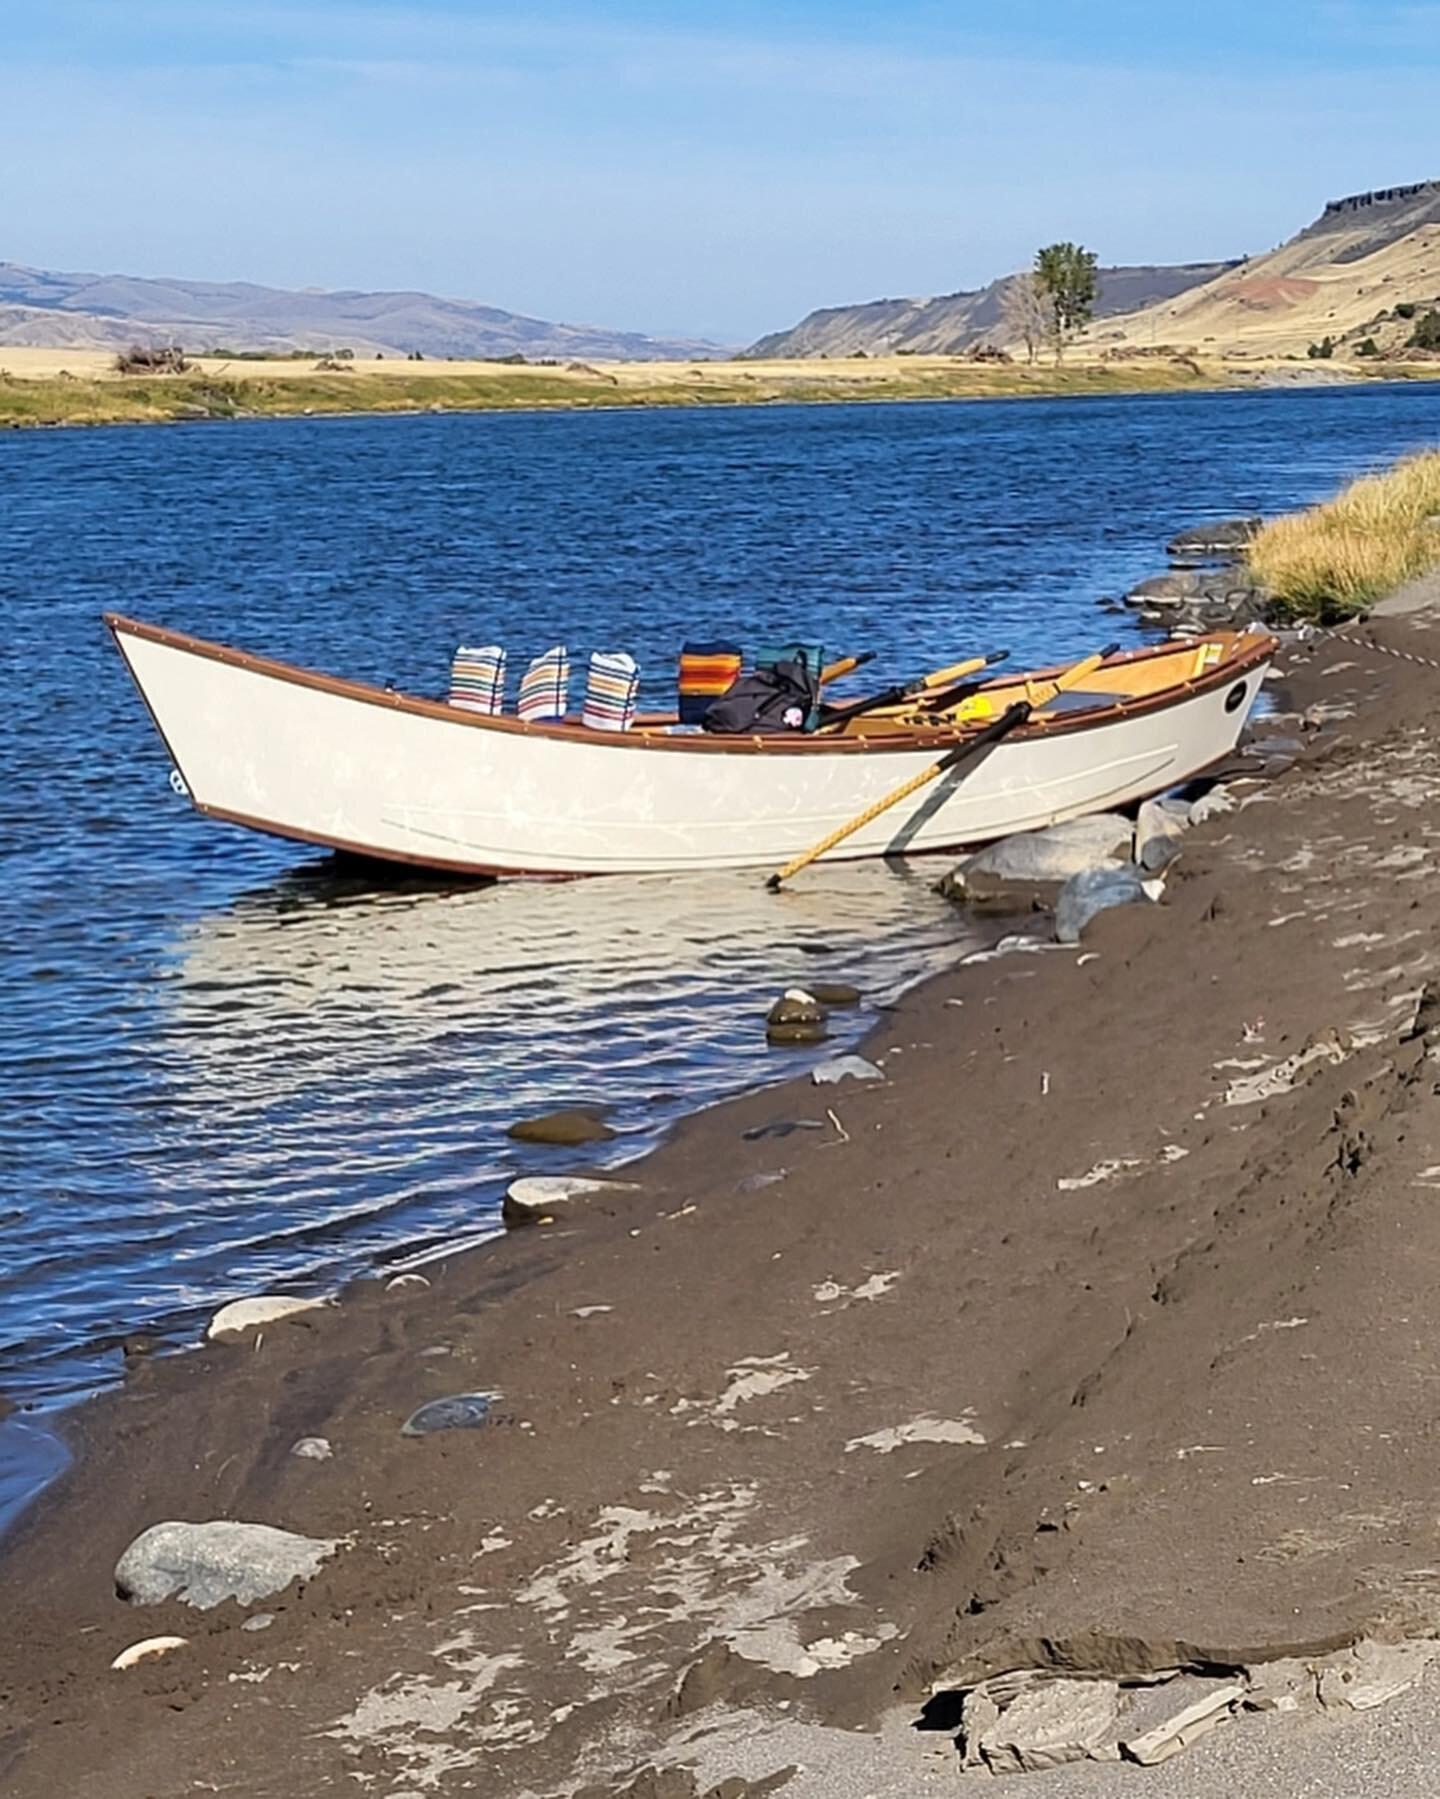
(715, 169)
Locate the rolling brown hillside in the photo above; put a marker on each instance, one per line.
(1341, 277)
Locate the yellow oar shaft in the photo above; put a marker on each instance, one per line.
(858, 823)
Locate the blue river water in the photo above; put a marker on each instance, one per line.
(230, 1064)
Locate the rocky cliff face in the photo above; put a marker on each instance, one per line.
(960, 321)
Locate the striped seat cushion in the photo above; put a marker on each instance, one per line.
(610, 692)
(545, 686)
(706, 671)
(477, 679)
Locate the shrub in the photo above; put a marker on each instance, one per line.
(1406, 309)
(1323, 351)
(1368, 348)
(1339, 558)
(1426, 335)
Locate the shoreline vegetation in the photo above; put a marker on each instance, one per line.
(1340, 557)
(49, 388)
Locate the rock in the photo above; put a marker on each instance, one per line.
(312, 1449)
(205, 1564)
(1159, 828)
(1042, 858)
(1095, 891)
(259, 1621)
(567, 1128)
(459, 1411)
(1222, 537)
(1162, 592)
(1284, 1686)
(979, 1716)
(1210, 805)
(845, 1068)
(1054, 1722)
(142, 1651)
(1166, 1719)
(140, 1344)
(536, 1196)
(796, 1017)
(1372, 1674)
(404, 1283)
(835, 993)
(265, 1308)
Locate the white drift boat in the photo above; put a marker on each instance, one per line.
(354, 767)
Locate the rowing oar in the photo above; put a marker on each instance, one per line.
(1016, 715)
(896, 696)
(836, 671)
(962, 752)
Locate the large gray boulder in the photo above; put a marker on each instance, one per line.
(1042, 858)
(1221, 538)
(1094, 891)
(205, 1564)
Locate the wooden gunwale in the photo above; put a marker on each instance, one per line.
(1218, 675)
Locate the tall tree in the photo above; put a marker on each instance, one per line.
(1066, 277)
(1024, 313)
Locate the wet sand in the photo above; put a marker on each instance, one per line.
(1099, 1335)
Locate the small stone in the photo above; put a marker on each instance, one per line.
(313, 1449)
(1210, 805)
(142, 1651)
(796, 1017)
(1289, 1685)
(1164, 591)
(1227, 537)
(835, 993)
(260, 1621)
(459, 1411)
(205, 1564)
(845, 1068)
(1159, 829)
(1096, 890)
(266, 1308)
(536, 1196)
(1372, 1674)
(1172, 1717)
(567, 1128)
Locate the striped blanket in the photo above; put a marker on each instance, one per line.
(706, 671)
(477, 679)
(545, 686)
(610, 692)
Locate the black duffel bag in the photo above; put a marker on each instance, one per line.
(780, 698)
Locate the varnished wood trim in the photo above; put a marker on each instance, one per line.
(798, 744)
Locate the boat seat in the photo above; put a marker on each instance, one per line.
(1076, 699)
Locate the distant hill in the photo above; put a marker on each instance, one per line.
(1342, 277)
(41, 308)
(961, 321)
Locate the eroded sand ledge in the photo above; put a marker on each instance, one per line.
(910, 1414)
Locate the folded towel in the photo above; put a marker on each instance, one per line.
(610, 693)
(545, 686)
(477, 679)
(706, 671)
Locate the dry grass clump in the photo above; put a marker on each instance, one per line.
(1341, 557)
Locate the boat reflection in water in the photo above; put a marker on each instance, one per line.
(354, 1052)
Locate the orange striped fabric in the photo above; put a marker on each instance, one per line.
(706, 671)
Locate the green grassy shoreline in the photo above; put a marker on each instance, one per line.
(70, 400)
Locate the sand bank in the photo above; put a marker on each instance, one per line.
(1100, 1332)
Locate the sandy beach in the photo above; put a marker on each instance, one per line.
(1095, 1336)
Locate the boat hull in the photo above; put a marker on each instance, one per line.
(349, 767)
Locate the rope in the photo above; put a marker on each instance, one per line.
(1383, 649)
